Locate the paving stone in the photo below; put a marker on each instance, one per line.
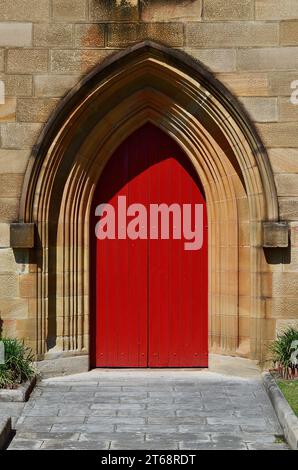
(161, 445)
(43, 436)
(20, 444)
(115, 420)
(70, 427)
(73, 445)
(93, 411)
(114, 436)
(188, 445)
(265, 446)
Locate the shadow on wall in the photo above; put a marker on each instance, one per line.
(278, 255)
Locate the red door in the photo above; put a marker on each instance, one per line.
(149, 279)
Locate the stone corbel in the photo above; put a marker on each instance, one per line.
(21, 235)
(275, 234)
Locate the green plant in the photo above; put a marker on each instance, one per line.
(290, 391)
(282, 353)
(17, 367)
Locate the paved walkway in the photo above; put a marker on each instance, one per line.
(125, 409)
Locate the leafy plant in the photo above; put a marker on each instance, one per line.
(17, 367)
(283, 354)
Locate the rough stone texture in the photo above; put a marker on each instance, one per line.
(54, 85)
(51, 35)
(69, 10)
(27, 60)
(124, 35)
(289, 33)
(76, 60)
(148, 410)
(156, 10)
(276, 10)
(29, 10)
(35, 110)
(105, 10)
(234, 34)
(228, 10)
(89, 35)
(18, 135)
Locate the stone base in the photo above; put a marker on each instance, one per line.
(58, 366)
(20, 394)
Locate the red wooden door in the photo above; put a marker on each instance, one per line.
(149, 294)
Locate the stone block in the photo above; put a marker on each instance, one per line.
(22, 235)
(288, 208)
(54, 85)
(14, 309)
(1, 60)
(171, 10)
(8, 110)
(261, 109)
(13, 161)
(9, 286)
(89, 35)
(4, 235)
(287, 184)
(217, 60)
(18, 85)
(107, 10)
(280, 82)
(27, 60)
(275, 234)
(221, 10)
(284, 160)
(77, 60)
(52, 35)
(122, 35)
(281, 134)
(19, 135)
(278, 58)
(29, 10)
(232, 34)
(245, 84)
(285, 285)
(15, 34)
(288, 111)
(276, 9)
(9, 208)
(289, 33)
(69, 10)
(11, 185)
(28, 285)
(35, 109)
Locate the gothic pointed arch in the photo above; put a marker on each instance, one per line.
(149, 82)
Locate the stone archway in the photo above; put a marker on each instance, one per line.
(151, 83)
